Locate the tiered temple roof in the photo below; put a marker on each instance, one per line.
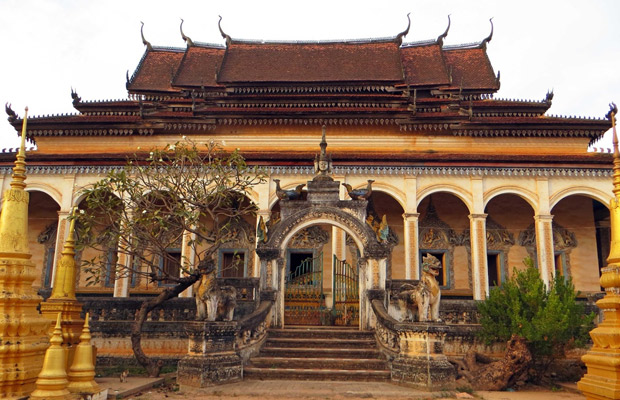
(419, 88)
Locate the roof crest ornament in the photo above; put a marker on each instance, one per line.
(400, 36)
(76, 99)
(187, 39)
(549, 97)
(323, 161)
(441, 37)
(144, 41)
(12, 114)
(224, 35)
(485, 41)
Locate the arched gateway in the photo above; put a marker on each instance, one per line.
(322, 206)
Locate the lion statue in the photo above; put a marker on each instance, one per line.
(425, 295)
(213, 302)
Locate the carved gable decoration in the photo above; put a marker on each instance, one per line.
(563, 239)
(309, 238)
(48, 234)
(498, 237)
(527, 237)
(435, 233)
(241, 234)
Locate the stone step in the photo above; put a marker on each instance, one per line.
(325, 333)
(299, 352)
(315, 374)
(320, 342)
(320, 362)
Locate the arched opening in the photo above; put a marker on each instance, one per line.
(443, 231)
(96, 258)
(510, 236)
(42, 231)
(581, 240)
(382, 204)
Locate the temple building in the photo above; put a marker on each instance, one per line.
(478, 181)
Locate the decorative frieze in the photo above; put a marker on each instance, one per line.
(356, 170)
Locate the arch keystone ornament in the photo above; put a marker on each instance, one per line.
(323, 206)
(602, 381)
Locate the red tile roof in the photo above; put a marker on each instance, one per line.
(199, 67)
(311, 62)
(424, 65)
(471, 68)
(156, 71)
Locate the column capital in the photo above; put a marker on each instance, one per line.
(411, 216)
(543, 217)
(477, 216)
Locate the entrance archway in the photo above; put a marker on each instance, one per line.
(323, 207)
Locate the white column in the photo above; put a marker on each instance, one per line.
(61, 235)
(188, 259)
(412, 259)
(124, 264)
(543, 222)
(544, 247)
(122, 280)
(478, 240)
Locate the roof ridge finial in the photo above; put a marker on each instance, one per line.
(400, 36)
(441, 37)
(187, 39)
(487, 39)
(144, 41)
(224, 35)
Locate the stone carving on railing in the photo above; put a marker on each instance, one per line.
(424, 296)
(213, 301)
(218, 349)
(415, 350)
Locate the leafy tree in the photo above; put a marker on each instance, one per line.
(145, 208)
(551, 321)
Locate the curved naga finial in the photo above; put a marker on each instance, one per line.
(549, 97)
(75, 97)
(187, 39)
(441, 37)
(486, 40)
(224, 35)
(144, 41)
(400, 36)
(12, 115)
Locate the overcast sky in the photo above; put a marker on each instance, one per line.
(572, 47)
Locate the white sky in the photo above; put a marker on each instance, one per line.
(572, 47)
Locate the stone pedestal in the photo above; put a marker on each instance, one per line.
(421, 362)
(211, 358)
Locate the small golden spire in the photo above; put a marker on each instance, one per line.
(14, 217)
(82, 371)
(66, 272)
(602, 360)
(52, 381)
(19, 171)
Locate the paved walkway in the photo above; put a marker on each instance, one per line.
(253, 390)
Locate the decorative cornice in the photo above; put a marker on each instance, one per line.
(356, 170)
(589, 133)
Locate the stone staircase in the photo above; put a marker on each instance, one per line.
(319, 353)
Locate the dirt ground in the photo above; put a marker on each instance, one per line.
(307, 390)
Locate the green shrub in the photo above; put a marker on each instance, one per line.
(551, 321)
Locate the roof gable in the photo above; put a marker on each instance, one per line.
(311, 62)
(199, 67)
(424, 65)
(471, 69)
(156, 70)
